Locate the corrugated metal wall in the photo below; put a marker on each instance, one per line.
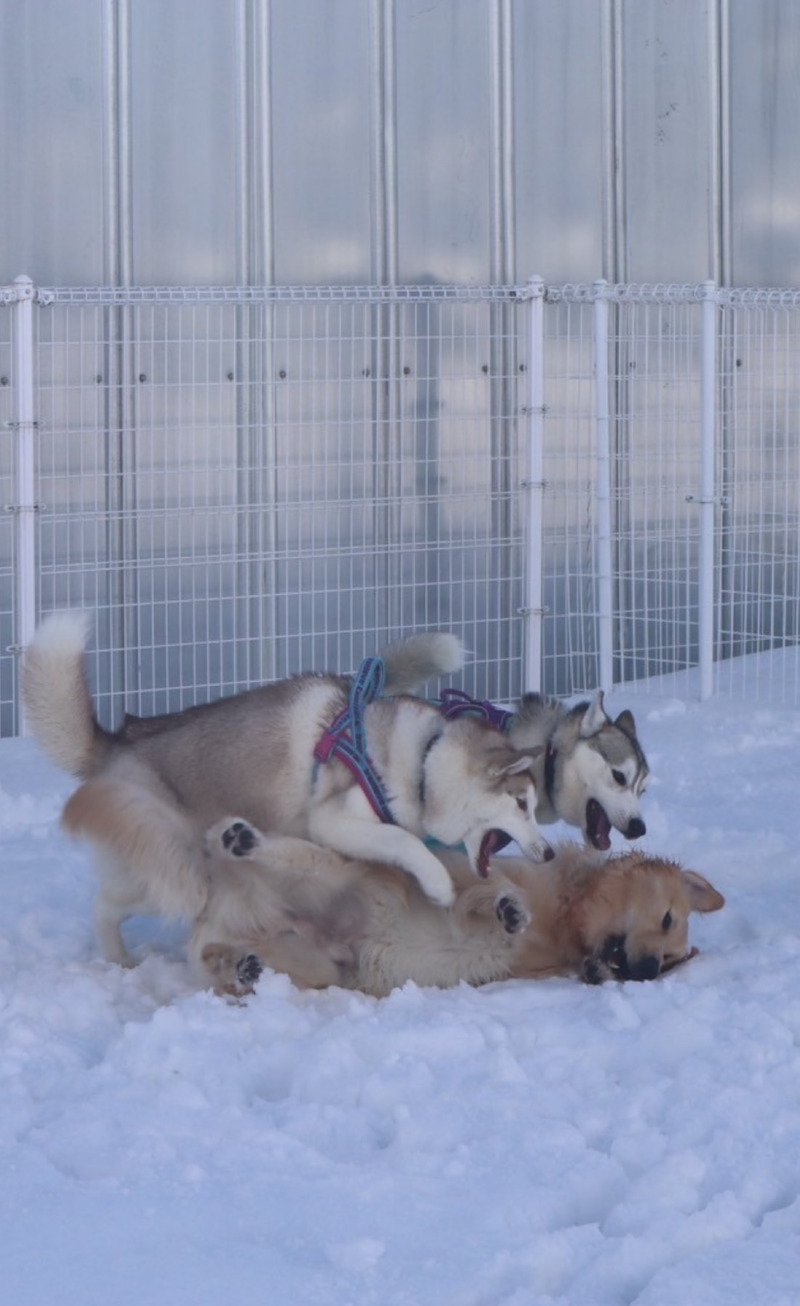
(250, 141)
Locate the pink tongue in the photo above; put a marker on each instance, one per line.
(598, 825)
(489, 844)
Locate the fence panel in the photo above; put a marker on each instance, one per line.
(758, 579)
(244, 483)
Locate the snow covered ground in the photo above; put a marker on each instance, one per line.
(522, 1144)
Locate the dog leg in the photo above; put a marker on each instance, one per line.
(152, 858)
(371, 841)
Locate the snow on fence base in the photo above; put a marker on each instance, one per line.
(592, 484)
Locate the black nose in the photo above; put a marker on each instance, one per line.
(548, 854)
(635, 828)
(645, 969)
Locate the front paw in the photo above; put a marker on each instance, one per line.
(511, 914)
(595, 971)
(239, 839)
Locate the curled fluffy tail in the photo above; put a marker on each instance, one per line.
(56, 696)
(419, 658)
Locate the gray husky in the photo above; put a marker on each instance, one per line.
(590, 770)
(147, 799)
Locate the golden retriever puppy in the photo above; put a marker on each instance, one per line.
(324, 919)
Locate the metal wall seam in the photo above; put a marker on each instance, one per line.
(615, 243)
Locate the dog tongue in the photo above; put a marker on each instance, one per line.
(598, 826)
(491, 843)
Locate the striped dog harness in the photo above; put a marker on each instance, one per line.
(346, 739)
(454, 703)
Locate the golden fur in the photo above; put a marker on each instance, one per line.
(322, 919)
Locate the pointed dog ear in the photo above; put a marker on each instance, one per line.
(511, 763)
(702, 894)
(523, 762)
(594, 718)
(626, 723)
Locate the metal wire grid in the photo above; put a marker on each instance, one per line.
(655, 377)
(241, 491)
(570, 597)
(758, 564)
(245, 485)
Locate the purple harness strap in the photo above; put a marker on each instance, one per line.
(345, 738)
(454, 703)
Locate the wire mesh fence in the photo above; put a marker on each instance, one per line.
(593, 486)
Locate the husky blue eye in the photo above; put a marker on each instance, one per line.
(619, 776)
(666, 923)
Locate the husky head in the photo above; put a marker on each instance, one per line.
(633, 923)
(479, 791)
(595, 771)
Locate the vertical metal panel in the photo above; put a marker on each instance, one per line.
(51, 141)
(667, 125)
(8, 661)
(383, 70)
(444, 140)
(603, 545)
(534, 525)
(558, 138)
(184, 141)
(765, 142)
(321, 88)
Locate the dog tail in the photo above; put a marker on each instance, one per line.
(419, 658)
(56, 696)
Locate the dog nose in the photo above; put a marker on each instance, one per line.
(548, 854)
(646, 968)
(635, 828)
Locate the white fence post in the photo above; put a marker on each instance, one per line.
(603, 562)
(24, 506)
(533, 609)
(708, 406)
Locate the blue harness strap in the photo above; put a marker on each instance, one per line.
(454, 703)
(346, 739)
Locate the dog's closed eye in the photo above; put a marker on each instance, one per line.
(667, 922)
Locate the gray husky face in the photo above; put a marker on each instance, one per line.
(594, 771)
(604, 776)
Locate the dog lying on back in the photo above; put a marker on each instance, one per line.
(147, 799)
(324, 920)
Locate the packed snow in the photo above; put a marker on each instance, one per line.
(524, 1144)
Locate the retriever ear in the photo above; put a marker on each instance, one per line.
(702, 895)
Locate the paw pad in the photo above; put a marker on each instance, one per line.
(248, 970)
(239, 839)
(511, 915)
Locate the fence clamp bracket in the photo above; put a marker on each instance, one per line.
(718, 500)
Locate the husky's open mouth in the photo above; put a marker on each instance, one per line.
(598, 826)
(491, 843)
